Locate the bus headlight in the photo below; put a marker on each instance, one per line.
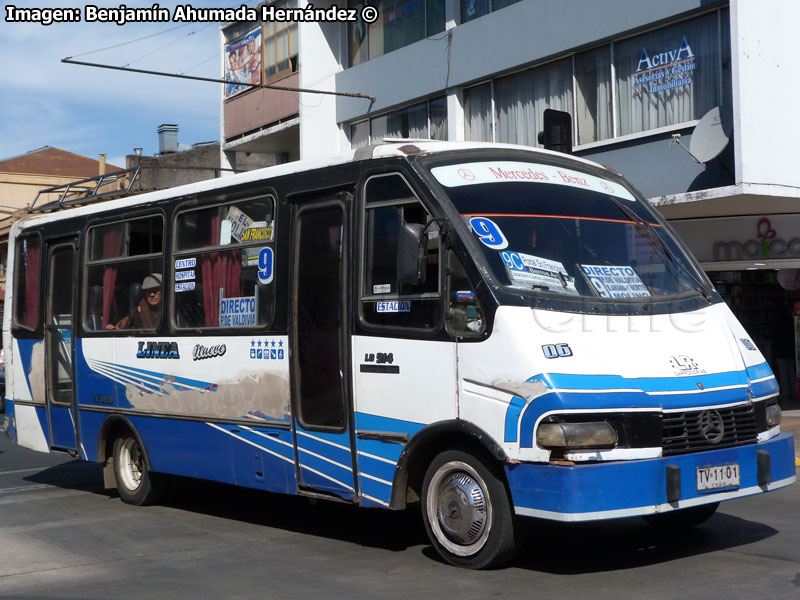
(576, 435)
(773, 415)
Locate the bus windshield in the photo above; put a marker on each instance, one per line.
(548, 228)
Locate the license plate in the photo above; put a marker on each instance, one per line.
(722, 476)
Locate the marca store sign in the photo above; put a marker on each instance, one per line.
(742, 238)
(666, 69)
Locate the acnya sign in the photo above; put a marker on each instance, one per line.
(767, 245)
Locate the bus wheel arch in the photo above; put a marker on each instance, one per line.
(126, 464)
(427, 444)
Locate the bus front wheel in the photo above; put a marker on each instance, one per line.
(467, 511)
(135, 484)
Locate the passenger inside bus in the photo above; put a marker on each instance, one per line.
(147, 312)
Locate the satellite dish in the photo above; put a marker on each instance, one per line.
(710, 136)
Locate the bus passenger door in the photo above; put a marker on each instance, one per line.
(59, 373)
(319, 343)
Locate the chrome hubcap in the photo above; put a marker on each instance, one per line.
(459, 509)
(462, 509)
(132, 465)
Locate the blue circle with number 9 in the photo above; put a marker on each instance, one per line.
(488, 232)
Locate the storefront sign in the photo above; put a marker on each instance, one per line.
(766, 244)
(742, 238)
(666, 70)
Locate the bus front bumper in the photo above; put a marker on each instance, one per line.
(611, 490)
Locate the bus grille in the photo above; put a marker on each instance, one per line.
(699, 430)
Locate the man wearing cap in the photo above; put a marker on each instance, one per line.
(147, 315)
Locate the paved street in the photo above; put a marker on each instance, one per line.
(61, 537)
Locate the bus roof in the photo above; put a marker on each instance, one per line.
(395, 148)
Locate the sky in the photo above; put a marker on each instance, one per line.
(88, 110)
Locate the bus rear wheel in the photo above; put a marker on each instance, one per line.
(467, 512)
(135, 484)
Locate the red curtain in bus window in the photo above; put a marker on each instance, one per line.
(221, 270)
(112, 246)
(33, 254)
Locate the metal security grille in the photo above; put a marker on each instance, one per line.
(699, 430)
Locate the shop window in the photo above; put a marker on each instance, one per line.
(280, 48)
(478, 113)
(359, 134)
(125, 270)
(593, 95)
(437, 110)
(224, 260)
(426, 120)
(400, 23)
(472, 9)
(663, 78)
(27, 285)
(401, 274)
(668, 76)
(521, 99)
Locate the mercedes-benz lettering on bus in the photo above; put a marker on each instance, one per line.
(491, 331)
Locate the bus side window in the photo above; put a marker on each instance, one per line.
(464, 314)
(390, 295)
(121, 258)
(224, 264)
(27, 271)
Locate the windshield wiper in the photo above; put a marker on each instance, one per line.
(656, 242)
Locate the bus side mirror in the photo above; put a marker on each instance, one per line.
(412, 246)
(557, 133)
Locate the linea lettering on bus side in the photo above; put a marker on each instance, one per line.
(158, 350)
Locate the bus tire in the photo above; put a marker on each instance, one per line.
(135, 484)
(684, 518)
(467, 511)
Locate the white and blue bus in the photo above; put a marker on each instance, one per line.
(493, 332)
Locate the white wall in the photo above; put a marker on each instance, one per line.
(320, 47)
(765, 70)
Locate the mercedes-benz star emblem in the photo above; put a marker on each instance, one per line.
(711, 426)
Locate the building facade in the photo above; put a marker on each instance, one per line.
(636, 78)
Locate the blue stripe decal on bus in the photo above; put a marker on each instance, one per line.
(370, 422)
(152, 379)
(569, 395)
(515, 408)
(615, 391)
(764, 388)
(759, 371)
(645, 384)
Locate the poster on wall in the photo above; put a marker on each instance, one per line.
(243, 62)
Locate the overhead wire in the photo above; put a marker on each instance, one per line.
(131, 41)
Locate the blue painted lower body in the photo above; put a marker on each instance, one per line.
(251, 456)
(638, 487)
